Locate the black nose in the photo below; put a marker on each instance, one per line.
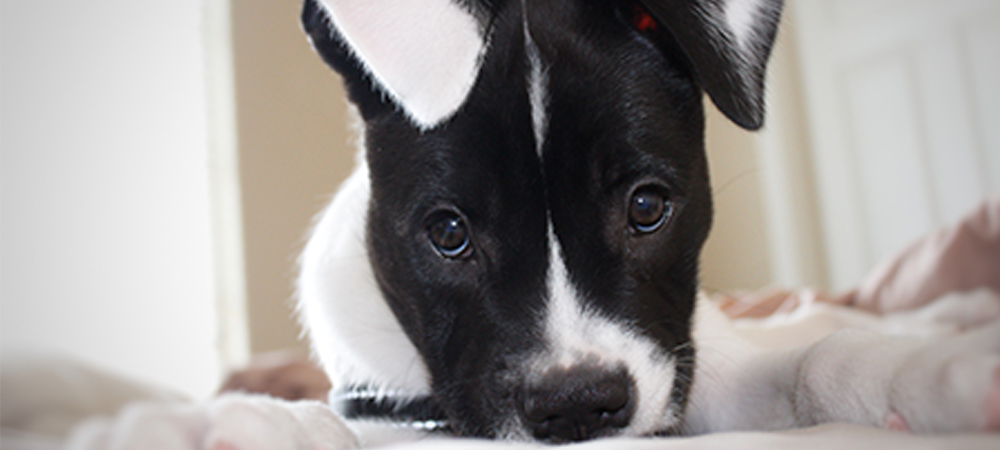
(578, 403)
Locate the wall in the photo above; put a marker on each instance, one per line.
(736, 255)
(105, 230)
(767, 231)
(294, 143)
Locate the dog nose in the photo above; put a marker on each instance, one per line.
(578, 403)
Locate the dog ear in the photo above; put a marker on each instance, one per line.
(331, 47)
(424, 54)
(728, 43)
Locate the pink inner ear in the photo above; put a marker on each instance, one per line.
(424, 53)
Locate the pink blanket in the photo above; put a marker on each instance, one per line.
(959, 258)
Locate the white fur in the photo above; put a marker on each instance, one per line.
(724, 364)
(741, 18)
(425, 54)
(538, 80)
(576, 335)
(353, 331)
(736, 30)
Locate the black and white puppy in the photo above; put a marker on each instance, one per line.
(516, 255)
(518, 252)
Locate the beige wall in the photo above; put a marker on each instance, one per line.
(736, 255)
(766, 229)
(294, 148)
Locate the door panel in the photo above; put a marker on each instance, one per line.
(904, 113)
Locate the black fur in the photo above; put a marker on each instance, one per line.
(328, 43)
(734, 82)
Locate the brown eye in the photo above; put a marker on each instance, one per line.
(648, 210)
(449, 235)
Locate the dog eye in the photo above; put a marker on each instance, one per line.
(648, 210)
(449, 235)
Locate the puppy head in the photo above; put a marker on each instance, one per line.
(539, 194)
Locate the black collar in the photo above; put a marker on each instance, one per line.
(420, 412)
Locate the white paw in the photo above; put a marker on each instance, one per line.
(950, 386)
(236, 422)
(263, 423)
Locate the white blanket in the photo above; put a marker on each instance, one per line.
(44, 397)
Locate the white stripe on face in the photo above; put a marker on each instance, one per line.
(576, 334)
(538, 80)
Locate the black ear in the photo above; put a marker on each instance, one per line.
(728, 43)
(330, 46)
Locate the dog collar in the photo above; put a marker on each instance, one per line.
(421, 412)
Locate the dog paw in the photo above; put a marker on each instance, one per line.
(235, 422)
(952, 385)
(895, 422)
(263, 423)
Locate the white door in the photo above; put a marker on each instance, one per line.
(903, 99)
